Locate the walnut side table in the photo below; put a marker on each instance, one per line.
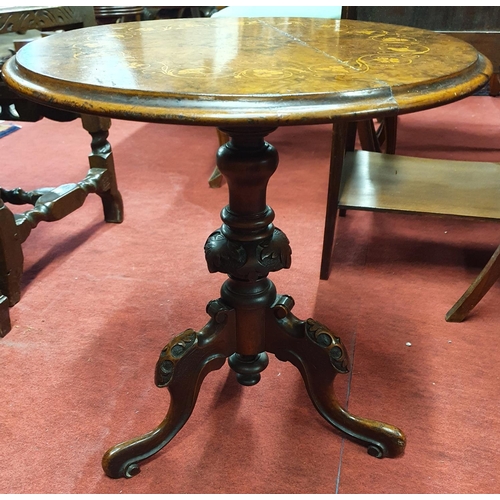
(247, 77)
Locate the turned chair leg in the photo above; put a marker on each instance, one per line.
(51, 204)
(11, 256)
(102, 158)
(477, 290)
(11, 267)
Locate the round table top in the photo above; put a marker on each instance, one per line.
(247, 71)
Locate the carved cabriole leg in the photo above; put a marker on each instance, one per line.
(320, 356)
(102, 158)
(182, 367)
(248, 247)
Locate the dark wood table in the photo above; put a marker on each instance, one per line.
(247, 77)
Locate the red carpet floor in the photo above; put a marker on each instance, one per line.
(100, 301)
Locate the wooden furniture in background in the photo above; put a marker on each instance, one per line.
(246, 100)
(21, 19)
(477, 289)
(379, 182)
(123, 14)
(53, 203)
(479, 26)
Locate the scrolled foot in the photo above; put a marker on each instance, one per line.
(132, 470)
(182, 366)
(116, 465)
(320, 356)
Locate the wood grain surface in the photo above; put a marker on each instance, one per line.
(238, 71)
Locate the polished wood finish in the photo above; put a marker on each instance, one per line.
(380, 138)
(308, 71)
(488, 43)
(381, 182)
(477, 290)
(374, 181)
(317, 76)
(216, 179)
(479, 26)
(342, 132)
(250, 319)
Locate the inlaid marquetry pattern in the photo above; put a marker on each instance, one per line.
(284, 57)
(234, 69)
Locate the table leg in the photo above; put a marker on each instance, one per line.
(250, 318)
(342, 134)
(102, 158)
(11, 258)
(182, 367)
(320, 355)
(11, 267)
(477, 290)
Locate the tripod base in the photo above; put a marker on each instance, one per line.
(189, 357)
(250, 319)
